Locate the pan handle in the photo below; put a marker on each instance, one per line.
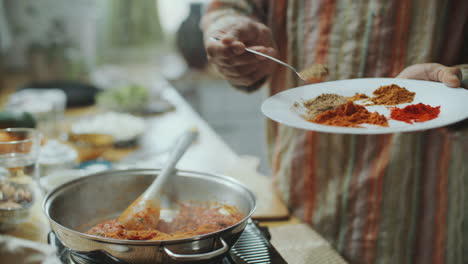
(195, 257)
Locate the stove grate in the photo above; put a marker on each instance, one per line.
(253, 247)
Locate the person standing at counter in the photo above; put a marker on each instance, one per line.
(395, 198)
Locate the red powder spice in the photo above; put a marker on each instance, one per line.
(350, 115)
(415, 113)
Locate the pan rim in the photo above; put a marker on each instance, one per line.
(47, 200)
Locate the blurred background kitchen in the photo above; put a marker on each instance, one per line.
(95, 46)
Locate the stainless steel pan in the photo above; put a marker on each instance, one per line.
(74, 207)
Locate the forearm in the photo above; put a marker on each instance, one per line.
(221, 12)
(214, 20)
(256, 9)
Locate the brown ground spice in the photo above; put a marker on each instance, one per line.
(322, 103)
(391, 95)
(350, 115)
(357, 97)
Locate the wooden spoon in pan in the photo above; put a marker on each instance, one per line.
(143, 213)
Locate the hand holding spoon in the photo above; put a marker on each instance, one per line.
(312, 74)
(143, 213)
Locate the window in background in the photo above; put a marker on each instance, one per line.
(50, 39)
(68, 39)
(130, 31)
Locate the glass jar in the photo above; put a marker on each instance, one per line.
(46, 105)
(19, 191)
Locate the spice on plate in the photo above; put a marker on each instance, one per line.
(391, 95)
(357, 97)
(415, 113)
(350, 115)
(322, 103)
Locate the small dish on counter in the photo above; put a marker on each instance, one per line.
(90, 146)
(15, 202)
(47, 107)
(56, 155)
(125, 129)
(128, 98)
(132, 98)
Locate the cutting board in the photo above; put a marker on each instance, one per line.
(299, 243)
(269, 204)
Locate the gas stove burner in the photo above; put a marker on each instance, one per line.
(93, 258)
(253, 247)
(74, 258)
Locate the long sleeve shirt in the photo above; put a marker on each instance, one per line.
(395, 198)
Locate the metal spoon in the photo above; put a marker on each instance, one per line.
(314, 73)
(143, 213)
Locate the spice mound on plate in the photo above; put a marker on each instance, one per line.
(357, 97)
(391, 95)
(415, 113)
(350, 115)
(322, 103)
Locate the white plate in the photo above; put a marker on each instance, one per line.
(453, 104)
(123, 127)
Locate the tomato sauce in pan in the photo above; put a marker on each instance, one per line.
(192, 220)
